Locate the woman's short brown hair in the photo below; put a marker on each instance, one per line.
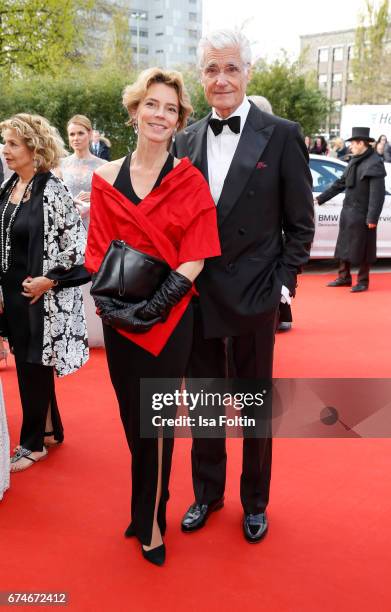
(81, 120)
(40, 137)
(135, 93)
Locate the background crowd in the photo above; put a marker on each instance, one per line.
(338, 148)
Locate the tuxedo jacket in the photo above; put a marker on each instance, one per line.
(265, 218)
(103, 151)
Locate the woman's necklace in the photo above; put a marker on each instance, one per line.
(5, 230)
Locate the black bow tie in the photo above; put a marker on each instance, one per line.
(218, 124)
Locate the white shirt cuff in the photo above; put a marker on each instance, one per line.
(285, 295)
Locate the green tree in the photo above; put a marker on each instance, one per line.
(118, 47)
(96, 94)
(38, 36)
(372, 59)
(292, 95)
(196, 92)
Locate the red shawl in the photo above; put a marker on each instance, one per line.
(176, 222)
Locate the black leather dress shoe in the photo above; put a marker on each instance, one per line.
(198, 514)
(255, 527)
(340, 282)
(359, 287)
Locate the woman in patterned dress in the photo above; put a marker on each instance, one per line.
(42, 243)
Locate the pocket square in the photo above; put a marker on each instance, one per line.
(260, 165)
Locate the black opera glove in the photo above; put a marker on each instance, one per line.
(170, 293)
(104, 304)
(126, 316)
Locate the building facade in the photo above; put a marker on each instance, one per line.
(163, 33)
(329, 55)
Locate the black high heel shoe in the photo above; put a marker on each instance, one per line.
(157, 555)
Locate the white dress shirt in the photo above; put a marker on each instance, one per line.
(221, 149)
(220, 152)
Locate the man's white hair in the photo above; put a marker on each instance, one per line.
(220, 39)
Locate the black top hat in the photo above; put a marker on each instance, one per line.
(361, 133)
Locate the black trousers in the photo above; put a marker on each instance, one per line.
(285, 313)
(362, 276)
(127, 364)
(37, 395)
(248, 356)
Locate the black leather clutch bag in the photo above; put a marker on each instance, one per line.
(129, 274)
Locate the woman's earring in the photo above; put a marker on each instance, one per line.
(35, 163)
(135, 127)
(173, 135)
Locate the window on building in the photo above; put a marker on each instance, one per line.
(337, 77)
(192, 50)
(350, 77)
(193, 34)
(159, 51)
(158, 16)
(351, 52)
(192, 1)
(334, 129)
(322, 80)
(323, 55)
(139, 14)
(143, 50)
(192, 16)
(159, 34)
(338, 54)
(142, 33)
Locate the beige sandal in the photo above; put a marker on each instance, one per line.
(24, 453)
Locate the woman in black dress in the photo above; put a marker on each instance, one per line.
(161, 206)
(42, 242)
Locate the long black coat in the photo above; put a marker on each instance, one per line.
(363, 203)
(267, 191)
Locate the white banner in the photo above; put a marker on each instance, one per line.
(375, 116)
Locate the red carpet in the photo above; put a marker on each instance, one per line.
(329, 544)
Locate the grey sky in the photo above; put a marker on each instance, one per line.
(274, 24)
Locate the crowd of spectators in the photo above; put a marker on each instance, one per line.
(336, 147)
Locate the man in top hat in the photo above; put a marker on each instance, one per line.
(363, 183)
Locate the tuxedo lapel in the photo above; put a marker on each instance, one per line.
(253, 140)
(197, 144)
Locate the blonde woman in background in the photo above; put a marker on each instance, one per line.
(76, 171)
(338, 149)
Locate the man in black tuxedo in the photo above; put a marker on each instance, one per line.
(257, 168)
